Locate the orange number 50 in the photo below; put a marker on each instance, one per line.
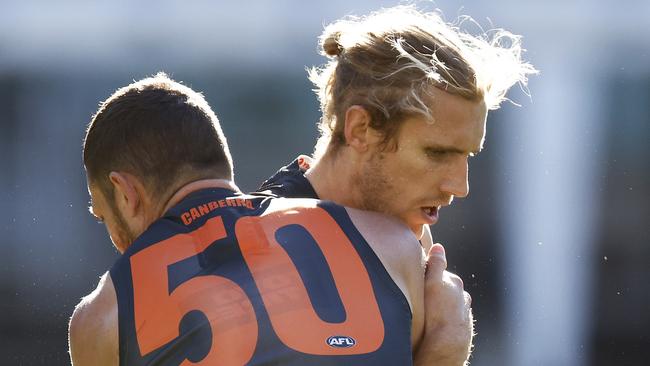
(158, 312)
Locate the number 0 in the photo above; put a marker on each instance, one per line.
(302, 329)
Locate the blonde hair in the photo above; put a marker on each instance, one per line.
(388, 61)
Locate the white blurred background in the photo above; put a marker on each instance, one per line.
(552, 243)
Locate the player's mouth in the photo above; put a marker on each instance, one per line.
(430, 214)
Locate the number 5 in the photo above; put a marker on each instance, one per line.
(158, 312)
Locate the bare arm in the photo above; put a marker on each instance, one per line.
(93, 329)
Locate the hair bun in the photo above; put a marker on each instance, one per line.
(331, 45)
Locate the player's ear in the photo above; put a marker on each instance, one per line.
(126, 195)
(357, 131)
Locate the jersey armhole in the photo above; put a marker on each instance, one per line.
(124, 303)
(369, 256)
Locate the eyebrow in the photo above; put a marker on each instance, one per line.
(453, 149)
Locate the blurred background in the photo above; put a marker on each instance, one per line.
(552, 242)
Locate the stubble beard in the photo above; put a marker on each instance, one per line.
(375, 188)
(124, 231)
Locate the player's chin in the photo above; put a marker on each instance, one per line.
(418, 219)
(413, 220)
(120, 243)
(417, 227)
(418, 230)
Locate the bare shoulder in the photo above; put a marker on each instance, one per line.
(93, 329)
(390, 238)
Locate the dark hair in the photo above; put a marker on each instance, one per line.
(159, 130)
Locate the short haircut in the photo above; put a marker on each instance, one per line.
(389, 61)
(159, 130)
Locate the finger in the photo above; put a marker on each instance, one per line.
(454, 279)
(436, 258)
(436, 263)
(468, 299)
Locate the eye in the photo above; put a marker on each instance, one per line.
(436, 154)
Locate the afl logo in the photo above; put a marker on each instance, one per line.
(341, 342)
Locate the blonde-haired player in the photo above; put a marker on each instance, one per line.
(404, 100)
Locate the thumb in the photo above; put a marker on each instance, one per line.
(436, 261)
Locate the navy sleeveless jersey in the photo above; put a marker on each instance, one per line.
(289, 182)
(231, 279)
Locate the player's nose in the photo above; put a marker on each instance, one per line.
(456, 182)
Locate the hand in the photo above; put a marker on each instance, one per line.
(304, 162)
(449, 326)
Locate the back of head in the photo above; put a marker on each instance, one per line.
(389, 61)
(159, 130)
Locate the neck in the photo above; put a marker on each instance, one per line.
(151, 213)
(198, 185)
(334, 178)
